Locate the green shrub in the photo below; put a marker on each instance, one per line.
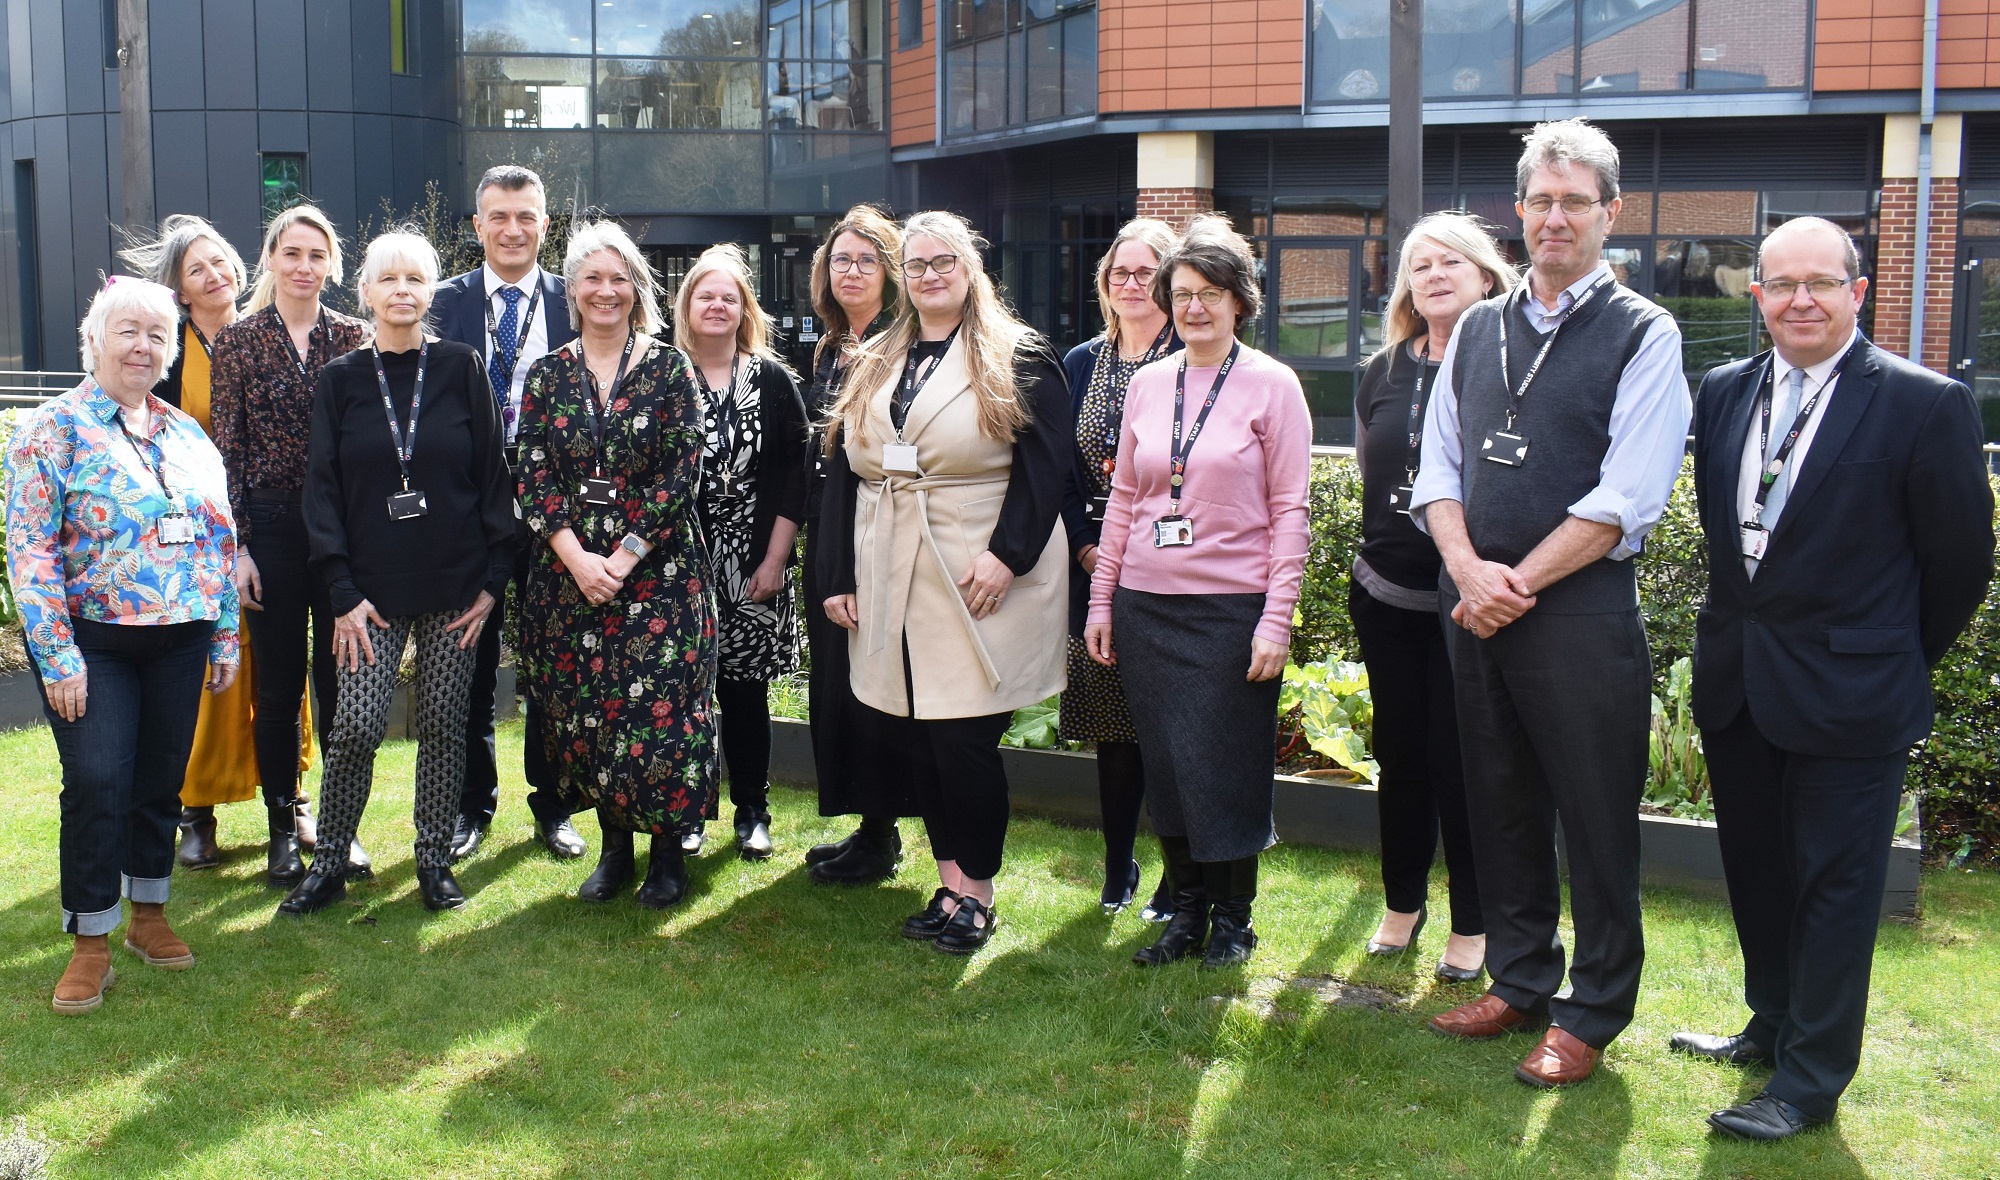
(1957, 771)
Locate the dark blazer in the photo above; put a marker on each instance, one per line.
(1881, 556)
(458, 312)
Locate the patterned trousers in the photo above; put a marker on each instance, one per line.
(440, 698)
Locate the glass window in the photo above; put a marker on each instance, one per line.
(1708, 213)
(1468, 47)
(402, 35)
(909, 23)
(1350, 46)
(677, 28)
(826, 172)
(1548, 47)
(1330, 399)
(508, 26)
(824, 96)
(542, 92)
(1628, 266)
(1634, 45)
(676, 173)
(705, 95)
(1982, 216)
(1375, 280)
(284, 183)
(966, 20)
(1080, 63)
(1314, 288)
(561, 158)
(1705, 283)
(1851, 209)
(1749, 44)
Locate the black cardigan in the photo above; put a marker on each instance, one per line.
(1391, 544)
(436, 562)
(782, 464)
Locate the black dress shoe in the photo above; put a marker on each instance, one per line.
(1117, 894)
(969, 929)
(666, 874)
(360, 866)
(691, 842)
(753, 835)
(1160, 908)
(614, 867)
(316, 892)
(866, 860)
(825, 852)
(466, 837)
(1451, 974)
(1387, 949)
(560, 837)
(1764, 1118)
(1736, 1050)
(931, 921)
(439, 889)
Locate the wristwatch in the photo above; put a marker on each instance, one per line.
(631, 543)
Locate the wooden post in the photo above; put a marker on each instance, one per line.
(1406, 119)
(135, 113)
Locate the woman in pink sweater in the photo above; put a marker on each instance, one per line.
(1202, 553)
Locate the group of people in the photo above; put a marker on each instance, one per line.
(963, 491)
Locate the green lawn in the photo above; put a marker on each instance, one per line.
(770, 1027)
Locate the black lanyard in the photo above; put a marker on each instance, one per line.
(1516, 393)
(1177, 457)
(207, 349)
(899, 410)
(727, 414)
(590, 397)
(1114, 415)
(319, 325)
(1775, 466)
(405, 441)
(520, 338)
(144, 451)
(1415, 428)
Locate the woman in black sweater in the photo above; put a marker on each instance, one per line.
(410, 518)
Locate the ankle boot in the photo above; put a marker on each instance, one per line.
(148, 936)
(869, 856)
(1231, 938)
(614, 865)
(304, 826)
(81, 988)
(666, 874)
(282, 864)
(321, 888)
(1188, 928)
(753, 833)
(198, 850)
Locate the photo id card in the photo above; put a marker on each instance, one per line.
(1400, 497)
(600, 492)
(1170, 531)
(408, 506)
(1754, 538)
(1504, 447)
(177, 528)
(900, 459)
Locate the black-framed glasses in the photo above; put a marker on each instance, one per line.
(1786, 288)
(943, 264)
(1119, 276)
(1211, 297)
(867, 264)
(1573, 205)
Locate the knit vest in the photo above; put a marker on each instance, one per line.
(1566, 418)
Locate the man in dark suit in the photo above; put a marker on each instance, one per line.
(1850, 539)
(513, 312)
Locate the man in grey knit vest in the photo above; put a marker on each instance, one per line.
(1554, 439)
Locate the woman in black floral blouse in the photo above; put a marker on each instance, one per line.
(618, 628)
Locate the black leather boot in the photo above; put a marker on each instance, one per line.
(198, 850)
(868, 857)
(1234, 886)
(825, 852)
(614, 866)
(753, 833)
(666, 874)
(1188, 928)
(439, 889)
(282, 864)
(316, 892)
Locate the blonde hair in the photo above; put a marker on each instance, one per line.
(595, 236)
(753, 331)
(1458, 232)
(265, 288)
(874, 226)
(160, 258)
(397, 245)
(123, 296)
(989, 334)
(1157, 236)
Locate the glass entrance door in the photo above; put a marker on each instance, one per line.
(1977, 362)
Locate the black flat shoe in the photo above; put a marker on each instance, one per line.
(1161, 907)
(1114, 898)
(970, 928)
(466, 838)
(819, 853)
(439, 889)
(360, 866)
(316, 892)
(614, 868)
(753, 835)
(1736, 1050)
(1388, 949)
(561, 838)
(666, 875)
(1763, 1118)
(865, 861)
(932, 920)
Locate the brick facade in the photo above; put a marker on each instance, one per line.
(913, 84)
(1894, 274)
(1198, 55)
(1175, 205)
(1879, 44)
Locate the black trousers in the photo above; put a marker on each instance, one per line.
(1421, 792)
(956, 780)
(856, 777)
(1805, 848)
(294, 631)
(480, 796)
(1554, 712)
(746, 743)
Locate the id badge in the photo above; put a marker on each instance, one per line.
(1400, 498)
(1094, 511)
(600, 492)
(1754, 537)
(1504, 447)
(177, 528)
(900, 459)
(408, 506)
(1170, 531)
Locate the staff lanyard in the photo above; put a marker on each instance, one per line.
(1114, 418)
(1177, 457)
(319, 325)
(520, 336)
(405, 441)
(1768, 476)
(1415, 430)
(899, 411)
(1516, 393)
(596, 423)
(728, 415)
(157, 471)
(207, 349)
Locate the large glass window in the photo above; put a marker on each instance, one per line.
(678, 28)
(700, 95)
(543, 92)
(508, 26)
(1011, 62)
(284, 183)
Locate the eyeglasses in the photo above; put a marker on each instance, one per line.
(1119, 276)
(1786, 288)
(1573, 205)
(867, 264)
(1211, 297)
(943, 264)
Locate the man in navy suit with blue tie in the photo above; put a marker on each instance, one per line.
(513, 312)
(1849, 523)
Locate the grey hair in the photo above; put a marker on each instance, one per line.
(1557, 145)
(123, 296)
(510, 177)
(595, 237)
(1850, 254)
(401, 244)
(1213, 249)
(160, 259)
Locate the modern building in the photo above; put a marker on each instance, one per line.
(1047, 122)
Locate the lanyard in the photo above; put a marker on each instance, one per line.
(208, 349)
(1114, 417)
(157, 471)
(1776, 466)
(1415, 429)
(520, 337)
(1520, 391)
(319, 325)
(590, 379)
(728, 415)
(1177, 457)
(406, 442)
(899, 410)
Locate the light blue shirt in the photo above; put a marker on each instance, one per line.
(1649, 423)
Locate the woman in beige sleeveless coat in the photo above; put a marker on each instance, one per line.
(951, 448)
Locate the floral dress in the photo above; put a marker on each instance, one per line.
(627, 689)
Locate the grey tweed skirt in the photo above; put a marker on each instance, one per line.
(1208, 736)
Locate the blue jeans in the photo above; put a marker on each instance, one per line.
(122, 764)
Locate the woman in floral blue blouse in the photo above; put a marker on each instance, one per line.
(123, 558)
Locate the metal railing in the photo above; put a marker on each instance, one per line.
(29, 387)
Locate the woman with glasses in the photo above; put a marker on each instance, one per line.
(1137, 332)
(1203, 551)
(946, 564)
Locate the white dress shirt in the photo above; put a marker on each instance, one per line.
(1818, 377)
(534, 335)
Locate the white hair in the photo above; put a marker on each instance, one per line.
(1559, 144)
(396, 247)
(125, 296)
(596, 237)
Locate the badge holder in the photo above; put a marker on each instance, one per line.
(1505, 448)
(599, 492)
(408, 505)
(1172, 531)
(1753, 538)
(1097, 506)
(900, 458)
(176, 528)
(1402, 495)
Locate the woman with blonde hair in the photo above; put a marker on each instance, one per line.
(945, 560)
(751, 503)
(265, 368)
(1449, 262)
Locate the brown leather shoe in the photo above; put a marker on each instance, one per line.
(81, 988)
(1487, 1016)
(148, 936)
(1560, 1060)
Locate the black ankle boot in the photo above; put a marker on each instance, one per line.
(282, 864)
(753, 833)
(316, 892)
(439, 889)
(1188, 928)
(1231, 938)
(868, 857)
(198, 850)
(819, 853)
(614, 866)
(666, 874)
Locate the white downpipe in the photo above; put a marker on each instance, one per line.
(1921, 253)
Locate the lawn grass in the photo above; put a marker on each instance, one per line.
(770, 1027)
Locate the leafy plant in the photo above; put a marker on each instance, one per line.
(1335, 715)
(1034, 727)
(1677, 771)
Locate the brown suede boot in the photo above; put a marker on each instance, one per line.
(81, 988)
(148, 936)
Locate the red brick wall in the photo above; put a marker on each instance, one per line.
(913, 85)
(1175, 205)
(1895, 254)
(1193, 55)
(1879, 44)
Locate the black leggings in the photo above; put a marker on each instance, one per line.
(279, 637)
(746, 743)
(1121, 791)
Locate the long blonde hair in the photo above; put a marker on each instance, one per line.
(989, 334)
(753, 331)
(1157, 236)
(875, 227)
(263, 290)
(1461, 233)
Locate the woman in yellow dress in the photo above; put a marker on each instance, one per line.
(193, 259)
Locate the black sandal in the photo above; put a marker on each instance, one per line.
(966, 933)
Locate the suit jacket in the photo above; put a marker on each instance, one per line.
(458, 311)
(1881, 556)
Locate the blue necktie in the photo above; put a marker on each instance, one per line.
(1795, 385)
(506, 347)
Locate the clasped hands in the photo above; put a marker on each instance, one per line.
(1491, 595)
(984, 588)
